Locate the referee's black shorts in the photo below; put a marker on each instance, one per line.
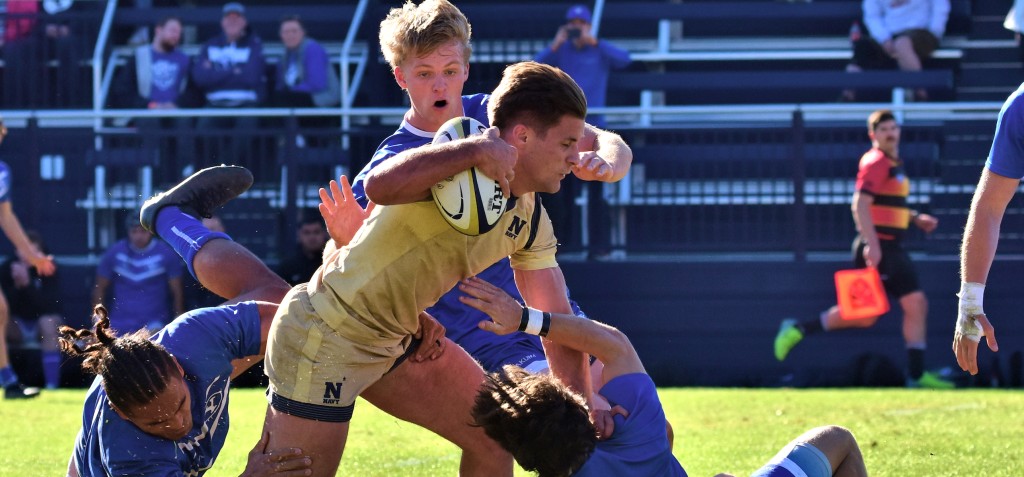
(899, 276)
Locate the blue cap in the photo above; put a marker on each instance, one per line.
(234, 7)
(578, 12)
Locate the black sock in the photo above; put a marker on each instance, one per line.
(810, 327)
(915, 360)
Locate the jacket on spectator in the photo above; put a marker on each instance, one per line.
(230, 74)
(151, 76)
(307, 69)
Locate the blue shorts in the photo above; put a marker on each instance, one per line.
(800, 460)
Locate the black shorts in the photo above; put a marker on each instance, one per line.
(899, 276)
(869, 55)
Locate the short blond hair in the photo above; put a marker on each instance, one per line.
(422, 29)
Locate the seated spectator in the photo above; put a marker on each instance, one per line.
(35, 309)
(305, 77)
(899, 34)
(155, 78)
(311, 237)
(144, 279)
(229, 72)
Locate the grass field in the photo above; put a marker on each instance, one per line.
(902, 432)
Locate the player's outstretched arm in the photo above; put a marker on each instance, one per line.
(607, 343)
(981, 237)
(408, 176)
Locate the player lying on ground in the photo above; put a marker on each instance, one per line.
(546, 427)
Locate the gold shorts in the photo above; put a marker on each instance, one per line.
(313, 367)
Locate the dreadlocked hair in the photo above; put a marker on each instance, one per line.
(133, 368)
(537, 419)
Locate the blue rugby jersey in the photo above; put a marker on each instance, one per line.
(639, 445)
(460, 321)
(5, 182)
(204, 342)
(1006, 157)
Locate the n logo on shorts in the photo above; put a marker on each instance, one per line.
(515, 228)
(332, 392)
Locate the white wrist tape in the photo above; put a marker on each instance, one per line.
(535, 322)
(971, 297)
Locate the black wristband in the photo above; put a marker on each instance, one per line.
(525, 320)
(546, 326)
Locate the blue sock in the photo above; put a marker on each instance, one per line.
(184, 233)
(51, 368)
(7, 376)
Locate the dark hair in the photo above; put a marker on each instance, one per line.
(537, 95)
(134, 369)
(879, 117)
(537, 419)
(165, 20)
(293, 18)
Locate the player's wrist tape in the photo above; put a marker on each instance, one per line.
(535, 322)
(972, 297)
(971, 300)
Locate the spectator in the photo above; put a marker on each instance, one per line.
(305, 78)
(1015, 23)
(229, 72)
(588, 61)
(882, 216)
(35, 308)
(144, 277)
(899, 34)
(155, 78)
(9, 223)
(311, 237)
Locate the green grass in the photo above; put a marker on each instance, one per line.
(902, 432)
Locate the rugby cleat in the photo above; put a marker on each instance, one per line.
(787, 338)
(199, 194)
(20, 391)
(930, 380)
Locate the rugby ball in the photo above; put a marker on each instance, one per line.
(469, 201)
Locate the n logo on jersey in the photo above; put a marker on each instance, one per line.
(332, 392)
(515, 228)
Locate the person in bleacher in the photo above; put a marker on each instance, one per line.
(229, 71)
(155, 78)
(882, 216)
(589, 61)
(900, 34)
(304, 77)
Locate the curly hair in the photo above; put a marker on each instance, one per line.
(538, 419)
(134, 369)
(420, 30)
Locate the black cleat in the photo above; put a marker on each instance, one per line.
(20, 391)
(199, 194)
